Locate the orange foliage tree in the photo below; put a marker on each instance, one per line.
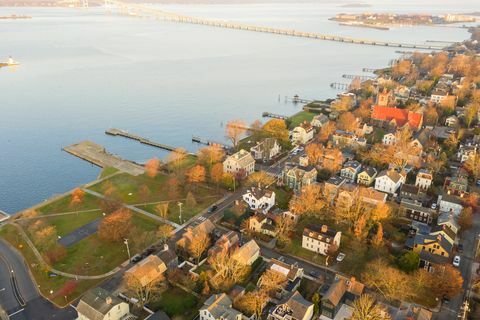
(210, 155)
(196, 174)
(77, 197)
(152, 167)
(216, 173)
(234, 131)
(116, 226)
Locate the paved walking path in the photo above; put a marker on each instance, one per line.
(50, 268)
(80, 233)
(133, 208)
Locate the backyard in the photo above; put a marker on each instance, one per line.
(177, 304)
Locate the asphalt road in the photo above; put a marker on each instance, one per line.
(19, 297)
(469, 241)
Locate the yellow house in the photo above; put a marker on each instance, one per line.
(366, 176)
(434, 244)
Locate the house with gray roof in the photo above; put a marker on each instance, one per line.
(342, 291)
(219, 307)
(99, 304)
(296, 177)
(350, 170)
(266, 150)
(294, 307)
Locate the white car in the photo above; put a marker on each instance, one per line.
(340, 257)
(434, 206)
(456, 261)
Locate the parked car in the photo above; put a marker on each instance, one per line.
(434, 206)
(281, 258)
(341, 256)
(212, 209)
(136, 258)
(314, 274)
(456, 261)
(460, 248)
(478, 182)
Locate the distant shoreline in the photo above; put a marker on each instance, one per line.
(97, 3)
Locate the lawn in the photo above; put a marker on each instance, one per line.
(127, 187)
(187, 213)
(282, 197)
(300, 117)
(42, 278)
(92, 256)
(108, 171)
(64, 205)
(295, 248)
(66, 224)
(177, 303)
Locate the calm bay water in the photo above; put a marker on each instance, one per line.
(84, 71)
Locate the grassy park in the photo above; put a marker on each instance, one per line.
(45, 281)
(64, 204)
(300, 117)
(132, 190)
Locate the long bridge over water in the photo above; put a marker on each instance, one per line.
(139, 10)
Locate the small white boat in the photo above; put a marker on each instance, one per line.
(11, 62)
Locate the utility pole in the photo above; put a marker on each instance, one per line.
(128, 248)
(465, 308)
(180, 210)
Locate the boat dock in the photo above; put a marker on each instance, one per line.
(339, 86)
(354, 76)
(125, 134)
(297, 99)
(210, 142)
(274, 115)
(97, 155)
(3, 216)
(369, 70)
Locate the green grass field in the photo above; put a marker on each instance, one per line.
(64, 205)
(68, 223)
(300, 117)
(177, 304)
(107, 172)
(93, 256)
(42, 278)
(187, 213)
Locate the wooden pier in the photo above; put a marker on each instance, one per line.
(339, 86)
(369, 70)
(274, 115)
(97, 155)
(297, 99)
(4, 216)
(354, 76)
(208, 142)
(125, 134)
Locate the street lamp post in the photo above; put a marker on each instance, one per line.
(128, 248)
(180, 210)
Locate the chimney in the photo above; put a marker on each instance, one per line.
(324, 228)
(108, 300)
(165, 247)
(439, 237)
